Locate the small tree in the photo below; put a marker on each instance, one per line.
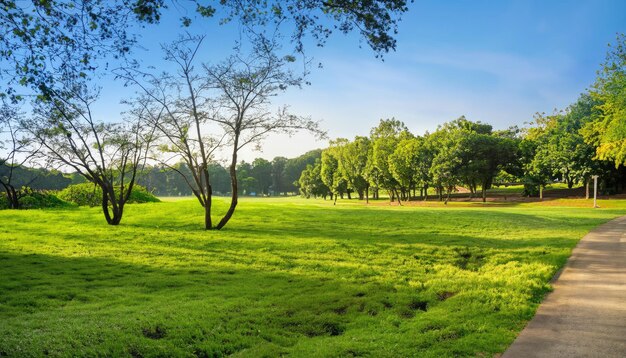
(110, 155)
(13, 154)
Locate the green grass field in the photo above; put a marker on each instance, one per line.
(286, 277)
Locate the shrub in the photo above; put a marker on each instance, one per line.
(4, 202)
(34, 199)
(88, 194)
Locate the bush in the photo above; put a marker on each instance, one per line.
(88, 194)
(34, 199)
(4, 202)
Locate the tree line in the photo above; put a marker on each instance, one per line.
(260, 177)
(572, 145)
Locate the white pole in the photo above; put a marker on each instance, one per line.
(595, 190)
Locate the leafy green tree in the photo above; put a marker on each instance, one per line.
(607, 132)
(310, 182)
(295, 166)
(278, 175)
(404, 162)
(48, 40)
(560, 151)
(330, 175)
(262, 173)
(483, 155)
(447, 163)
(384, 139)
(244, 175)
(352, 163)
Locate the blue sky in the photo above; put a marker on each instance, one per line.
(494, 61)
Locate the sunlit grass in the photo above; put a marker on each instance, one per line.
(287, 276)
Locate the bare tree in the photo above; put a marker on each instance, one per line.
(244, 85)
(110, 155)
(177, 105)
(200, 113)
(14, 152)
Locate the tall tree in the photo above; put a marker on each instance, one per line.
(352, 163)
(384, 139)
(244, 85)
(608, 129)
(179, 107)
(330, 175)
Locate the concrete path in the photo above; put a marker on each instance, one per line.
(585, 315)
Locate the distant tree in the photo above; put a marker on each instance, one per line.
(244, 176)
(220, 180)
(279, 178)
(352, 163)
(295, 166)
(447, 161)
(384, 139)
(330, 175)
(262, 173)
(404, 162)
(310, 182)
(488, 156)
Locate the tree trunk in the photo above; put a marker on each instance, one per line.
(587, 188)
(540, 192)
(12, 197)
(484, 190)
(112, 213)
(398, 196)
(335, 202)
(234, 187)
(447, 196)
(208, 225)
(367, 194)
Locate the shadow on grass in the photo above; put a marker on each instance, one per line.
(113, 307)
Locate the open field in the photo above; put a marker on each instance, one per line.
(287, 276)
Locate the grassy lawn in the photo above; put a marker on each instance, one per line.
(287, 277)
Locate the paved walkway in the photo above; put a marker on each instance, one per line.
(585, 315)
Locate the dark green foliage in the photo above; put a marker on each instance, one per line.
(35, 199)
(87, 194)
